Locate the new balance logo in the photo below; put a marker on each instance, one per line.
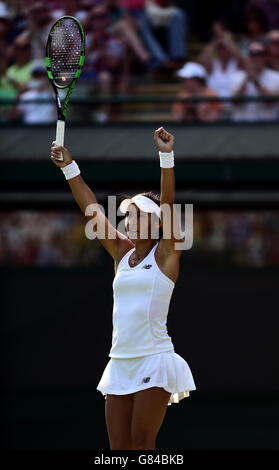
(145, 380)
(147, 266)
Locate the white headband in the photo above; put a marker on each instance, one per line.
(144, 204)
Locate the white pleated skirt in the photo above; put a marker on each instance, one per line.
(167, 370)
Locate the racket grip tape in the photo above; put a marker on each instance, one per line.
(60, 132)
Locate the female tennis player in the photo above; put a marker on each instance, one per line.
(144, 374)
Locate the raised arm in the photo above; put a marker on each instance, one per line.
(170, 224)
(113, 241)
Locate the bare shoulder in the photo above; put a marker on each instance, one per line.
(168, 260)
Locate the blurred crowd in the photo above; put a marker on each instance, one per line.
(128, 38)
(57, 239)
(45, 239)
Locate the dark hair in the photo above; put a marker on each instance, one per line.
(258, 14)
(154, 197)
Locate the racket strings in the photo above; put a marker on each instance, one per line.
(66, 48)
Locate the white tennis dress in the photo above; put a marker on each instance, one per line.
(142, 353)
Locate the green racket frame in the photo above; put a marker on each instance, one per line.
(62, 110)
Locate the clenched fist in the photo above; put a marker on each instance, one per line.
(164, 140)
(55, 152)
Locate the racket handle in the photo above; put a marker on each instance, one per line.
(60, 131)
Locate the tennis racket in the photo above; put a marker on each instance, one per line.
(65, 53)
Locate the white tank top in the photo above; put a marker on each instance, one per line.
(220, 79)
(141, 302)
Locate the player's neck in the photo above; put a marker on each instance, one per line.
(143, 247)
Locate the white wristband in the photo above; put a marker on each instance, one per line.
(71, 170)
(166, 159)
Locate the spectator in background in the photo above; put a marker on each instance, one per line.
(125, 29)
(221, 58)
(164, 14)
(106, 59)
(6, 91)
(135, 9)
(5, 28)
(120, 26)
(257, 80)
(19, 16)
(19, 73)
(77, 8)
(194, 85)
(39, 88)
(255, 28)
(271, 11)
(39, 24)
(272, 44)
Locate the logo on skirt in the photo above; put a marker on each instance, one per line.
(145, 380)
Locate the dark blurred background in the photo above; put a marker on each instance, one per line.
(56, 285)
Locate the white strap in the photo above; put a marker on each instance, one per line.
(71, 170)
(166, 159)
